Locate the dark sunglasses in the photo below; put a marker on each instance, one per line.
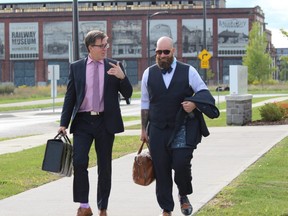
(166, 52)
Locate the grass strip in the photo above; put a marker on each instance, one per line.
(31, 107)
(260, 190)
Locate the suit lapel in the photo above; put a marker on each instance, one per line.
(107, 66)
(81, 77)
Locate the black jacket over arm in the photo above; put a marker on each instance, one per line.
(194, 122)
(76, 92)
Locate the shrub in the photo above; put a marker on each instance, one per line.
(284, 105)
(272, 112)
(7, 89)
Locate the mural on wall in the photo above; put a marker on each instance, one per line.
(84, 28)
(2, 39)
(159, 28)
(57, 37)
(193, 39)
(24, 40)
(232, 36)
(126, 36)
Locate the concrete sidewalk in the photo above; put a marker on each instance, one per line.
(218, 160)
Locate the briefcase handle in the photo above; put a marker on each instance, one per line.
(65, 137)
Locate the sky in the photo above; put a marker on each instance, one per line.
(276, 16)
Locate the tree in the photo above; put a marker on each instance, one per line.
(257, 59)
(209, 74)
(285, 33)
(284, 68)
(284, 61)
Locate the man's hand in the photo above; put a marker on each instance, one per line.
(144, 137)
(62, 130)
(188, 106)
(116, 71)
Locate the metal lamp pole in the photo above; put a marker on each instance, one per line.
(204, 36)
(75, 31)
(148, 27)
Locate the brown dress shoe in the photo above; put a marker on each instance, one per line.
(84, 212)
(103, 212)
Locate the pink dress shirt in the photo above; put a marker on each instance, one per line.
(86, 105)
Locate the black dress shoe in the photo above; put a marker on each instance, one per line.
(186, 207)
(165, 213)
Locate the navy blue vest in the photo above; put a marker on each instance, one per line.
(165, 103)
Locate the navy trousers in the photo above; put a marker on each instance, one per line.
(88, 129)
(165, 160)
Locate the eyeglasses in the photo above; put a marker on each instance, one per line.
(102, 46)
(166, 52)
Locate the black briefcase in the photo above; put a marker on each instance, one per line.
(58, 156)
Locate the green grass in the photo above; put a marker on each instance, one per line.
(277, 88)
(131, 118)
(259, 190)
(27, 93)
(21, 171)
(31, 107)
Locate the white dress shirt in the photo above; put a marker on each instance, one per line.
(195, 81)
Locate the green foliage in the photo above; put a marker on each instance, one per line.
(284, 68)
(285, 33)
(257, 59)
(271, 112)
(210, 74)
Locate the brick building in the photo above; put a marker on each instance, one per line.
(35, 35)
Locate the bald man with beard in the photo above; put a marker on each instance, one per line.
(173, 98)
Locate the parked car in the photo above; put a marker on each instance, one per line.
(222, 88)
(120, 97)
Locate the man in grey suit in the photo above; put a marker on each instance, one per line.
(91, 104)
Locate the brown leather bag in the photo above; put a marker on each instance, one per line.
(143, 172)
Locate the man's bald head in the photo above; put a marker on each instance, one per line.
(166, 42)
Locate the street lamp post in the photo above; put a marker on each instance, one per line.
(75, 31)
(148, 27)
(204, 36)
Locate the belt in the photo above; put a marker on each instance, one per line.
(91, 113)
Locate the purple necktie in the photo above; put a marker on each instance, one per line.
(96, 94)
